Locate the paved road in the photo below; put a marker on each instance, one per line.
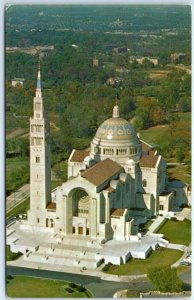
(98, 287)
(186, 278)
(17, 197)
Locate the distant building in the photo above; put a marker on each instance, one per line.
(16, 81)
(96, 62)
(177, 57)
(141, 60)
(113, 81)
(120, 50)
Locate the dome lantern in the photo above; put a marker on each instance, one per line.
(115, 112)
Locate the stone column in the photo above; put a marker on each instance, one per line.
(93, 218)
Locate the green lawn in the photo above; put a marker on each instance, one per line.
(185, 116)
(160, 257)
(179, 172)
(25, 287)
(155, 135)
(17, 172)
(177, 232)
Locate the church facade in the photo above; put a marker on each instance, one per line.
(112, 188)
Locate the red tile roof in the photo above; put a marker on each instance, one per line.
(117, 212)
(102, 171)
(51, 205)
(149, 160)
(145, 146)
(79, 155)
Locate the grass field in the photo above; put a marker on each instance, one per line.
(31, 287)
(160, 257)
(179, 172)
(177, 232)
(155, 135)
(17, 172)
(158, 74)
(160, 134)
(13, 123)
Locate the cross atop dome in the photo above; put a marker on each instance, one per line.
(116, 109)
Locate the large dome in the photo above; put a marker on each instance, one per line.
(117, 139)
(116, 129)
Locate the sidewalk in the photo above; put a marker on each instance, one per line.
(155, 224)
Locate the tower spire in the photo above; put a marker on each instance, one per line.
(38, 101)
(116, 108)
(40, 162)
(38, 85)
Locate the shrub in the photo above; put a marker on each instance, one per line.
(106, 267)
(68, 290)
(81, 288)
(184, 205)
(9, 277)
(72, 285)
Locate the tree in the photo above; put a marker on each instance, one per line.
(165, 279)
(180, 155)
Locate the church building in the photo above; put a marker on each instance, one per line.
(111, 188)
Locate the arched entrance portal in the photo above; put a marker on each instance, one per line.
(80, 212)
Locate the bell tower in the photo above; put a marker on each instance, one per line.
(40, 162)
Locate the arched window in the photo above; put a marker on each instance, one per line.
(144, 183)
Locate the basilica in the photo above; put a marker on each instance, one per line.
(111, 189)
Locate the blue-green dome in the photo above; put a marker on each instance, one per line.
(116, 129)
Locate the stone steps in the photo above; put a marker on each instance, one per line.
(64, 259)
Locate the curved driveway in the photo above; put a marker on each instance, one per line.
(98, 287)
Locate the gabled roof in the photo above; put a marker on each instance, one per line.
(145, 146)
(102, 171)
(149, 160)
(51, 205)
(117, 212)
(79, 155)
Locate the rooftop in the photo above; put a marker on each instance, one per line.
(51, 205)
(145, 146)
(102, 171)
(79, 155)
(117, 212)
(149, 160)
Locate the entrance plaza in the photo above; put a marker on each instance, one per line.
(43, 246)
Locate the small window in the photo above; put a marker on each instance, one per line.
(38, 220)
(37, 159)
(161, 207)
(144, 183)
